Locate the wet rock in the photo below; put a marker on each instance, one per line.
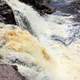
(6, 14)
(40, 5)
(8, 72)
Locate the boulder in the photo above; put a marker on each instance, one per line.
(8, 72)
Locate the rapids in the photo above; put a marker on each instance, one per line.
(58, 33)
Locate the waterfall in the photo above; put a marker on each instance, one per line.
(40, 27)
(52, 31)
(25, 13)
(48, 29)
(30, 19)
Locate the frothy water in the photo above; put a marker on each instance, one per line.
(55, 27)
(24, 12)
(56, 32)
(49, 28)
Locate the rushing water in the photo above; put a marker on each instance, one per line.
(58, 27)
(56, 32)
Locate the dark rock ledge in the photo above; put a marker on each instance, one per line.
(42, 6)
(6, 14)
